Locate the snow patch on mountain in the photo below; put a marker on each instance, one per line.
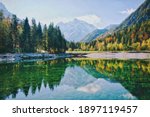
(76, 29)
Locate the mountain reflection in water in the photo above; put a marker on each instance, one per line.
(87, 79)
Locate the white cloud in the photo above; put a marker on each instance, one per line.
(127, 11)
(91, 19)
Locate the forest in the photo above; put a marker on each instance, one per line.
(133, 38)
(17, 36)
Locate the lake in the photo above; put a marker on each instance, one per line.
(75, 79)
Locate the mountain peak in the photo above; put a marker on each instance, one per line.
(76, 29)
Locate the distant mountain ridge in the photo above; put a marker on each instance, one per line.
(99, 33)
(111, 27)
(76, 30)
(3, 9)
(132, 34)
(93, 35)
(140, 15)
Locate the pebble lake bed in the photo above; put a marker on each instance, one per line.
(120, 55)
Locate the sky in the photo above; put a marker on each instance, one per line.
(100, 13)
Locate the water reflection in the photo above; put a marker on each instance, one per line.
(76, 79)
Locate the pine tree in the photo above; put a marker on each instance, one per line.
(34, 36)
(26, 37)
(50, 37)
(14, 33)
(39, 36)
(45, 38)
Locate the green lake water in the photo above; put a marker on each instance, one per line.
(75, 79)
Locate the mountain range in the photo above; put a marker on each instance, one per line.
(76, 29)
(81, 31)
(140, 15)
(93, 35)
(99, 32)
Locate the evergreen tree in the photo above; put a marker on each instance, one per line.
(1, 16)
(14, 34)
(34, 36)
(5, 42)
(39, 36)
(26, 43)
(45, 38)
(21, 37)
(50, 37)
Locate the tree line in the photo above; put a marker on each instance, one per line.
(133, 38)
(19, 36)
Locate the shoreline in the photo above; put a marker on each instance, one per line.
(119, 55)
(9, 57)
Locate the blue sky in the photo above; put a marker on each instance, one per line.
(97, 12)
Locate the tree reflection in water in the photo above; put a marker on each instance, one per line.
(35, 78)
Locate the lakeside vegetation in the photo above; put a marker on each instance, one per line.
(133, 34)
(133, 38)
(37, 62)
(18, 36)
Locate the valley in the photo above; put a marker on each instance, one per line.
(57, 50)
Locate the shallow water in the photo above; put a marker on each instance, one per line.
(76, 78)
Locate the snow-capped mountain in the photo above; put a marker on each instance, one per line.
(6, 13)
(75, 30)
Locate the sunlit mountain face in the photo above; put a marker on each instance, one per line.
(76, 30)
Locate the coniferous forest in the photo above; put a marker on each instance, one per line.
(133, 34)
(18, 36)
(80, 56)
